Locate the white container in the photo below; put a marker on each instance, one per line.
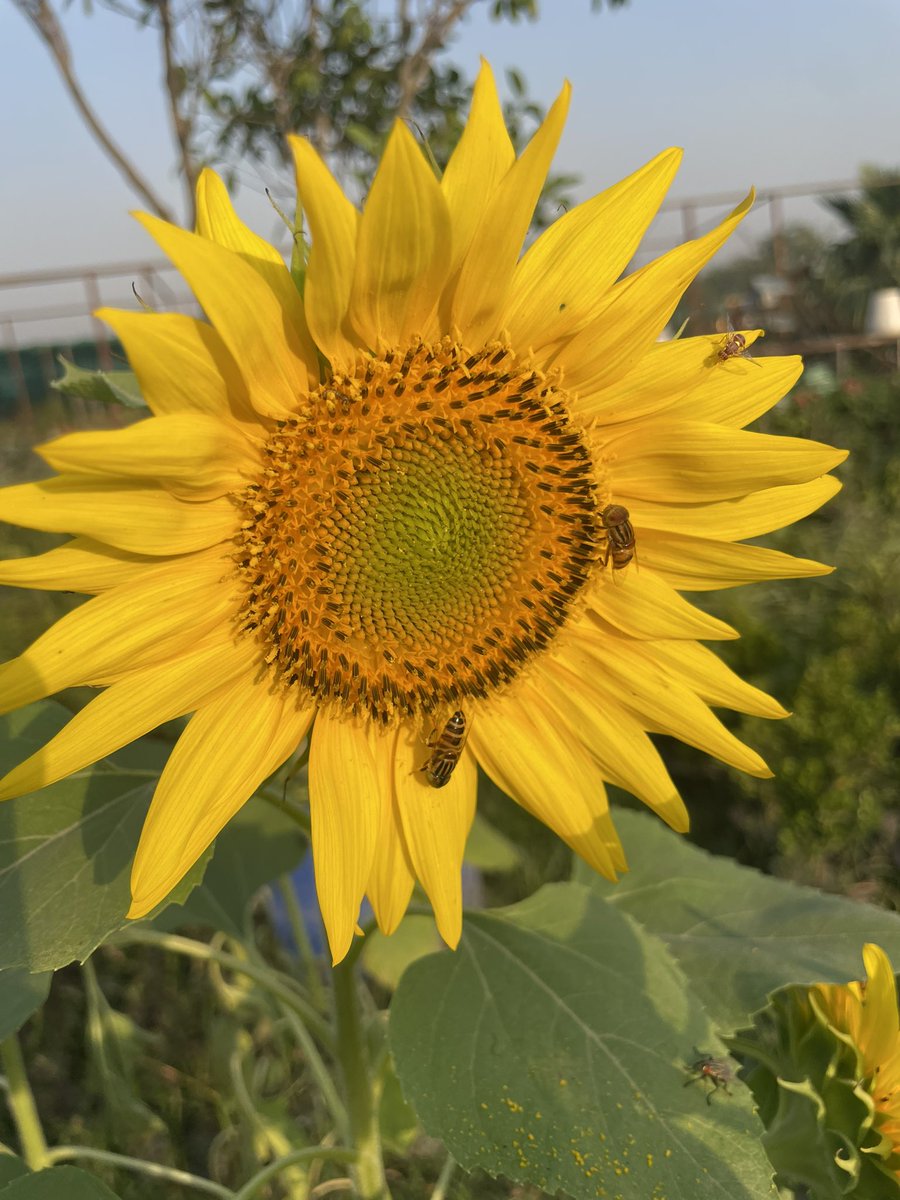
(883, 313)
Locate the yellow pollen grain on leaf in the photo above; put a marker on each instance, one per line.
(564, 1083)
(421, 527)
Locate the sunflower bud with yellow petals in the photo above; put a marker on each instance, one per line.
(824, 1066)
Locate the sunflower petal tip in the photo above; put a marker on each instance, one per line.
(137, 909)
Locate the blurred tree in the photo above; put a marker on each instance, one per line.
(831, 278)
(241, 74)
(869, 257)
(827, 648)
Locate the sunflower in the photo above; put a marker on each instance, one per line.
(867, 1013)
(823, 1062)
(451, 486)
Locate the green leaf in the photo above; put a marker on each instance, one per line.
(66, 851)
(385, 958)
(736, 933)
(487, 848)
(21, 994)
(259, 843)
(396, 1120)
(551, 1048)
(57, 1183)
(11, 1167)
(110, 387)
(116, 1045)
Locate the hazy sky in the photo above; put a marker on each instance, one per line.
(773, 92)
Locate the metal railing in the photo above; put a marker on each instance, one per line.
(53, 321)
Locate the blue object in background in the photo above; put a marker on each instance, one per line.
(304, 884)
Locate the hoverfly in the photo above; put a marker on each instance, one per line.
(734, 346)
(619, 536)
(445, 751)
(716, 1071)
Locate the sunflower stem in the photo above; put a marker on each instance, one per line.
(22, 1106)
(362, 1110)
(301, 940)
(142, 1166)
(276, 982)
(336, 1154)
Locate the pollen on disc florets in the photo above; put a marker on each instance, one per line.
(421, 527)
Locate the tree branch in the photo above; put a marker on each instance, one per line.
(438, 26)
(181, 124)
(43, 19)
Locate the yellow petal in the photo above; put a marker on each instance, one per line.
(161, 613)
(880, 1036)
(403, 248)
(713, 681)
(345, 807)
(691, 460)
(480, 297)
(628, 320)
(248, 315)
(654, 384)
(742, 517)
(127, 710)
(633, 679)
(436, 824)
(191, 455)
(392, 878)
(128, 515)
(615, 740)
(481, 158)
(229, 748)
(742, 391)
(530, 756)
(217, 221)
(694, 564)
(643, 605)
(182, 365)
(79, 566)
(675, 378)
(562, 278)
(333, 225)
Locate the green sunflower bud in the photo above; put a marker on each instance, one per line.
(825, 1102)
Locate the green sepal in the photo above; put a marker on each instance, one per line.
(109, 387)
(808, 1080)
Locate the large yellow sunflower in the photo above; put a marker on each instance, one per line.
(357, 512)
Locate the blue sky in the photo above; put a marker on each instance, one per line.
(773, 92)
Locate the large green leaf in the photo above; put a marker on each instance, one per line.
(258, 844)
(110, 387)
(488, 849)
(551, 1048)
(21, 994)
(11, 1167)
(66, 851)
(387, 957)
(57, 1183)
(737, 934)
